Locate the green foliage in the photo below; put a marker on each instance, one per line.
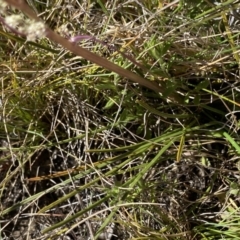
(93, 151)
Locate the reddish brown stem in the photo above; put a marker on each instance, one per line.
(22, 6)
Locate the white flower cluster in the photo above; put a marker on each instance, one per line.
(36, 30)
(30, 28)
(3, 6)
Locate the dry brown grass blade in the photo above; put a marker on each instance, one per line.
(22, 6)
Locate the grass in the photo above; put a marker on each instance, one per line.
(142, 146)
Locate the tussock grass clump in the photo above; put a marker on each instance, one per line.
(119, 120)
